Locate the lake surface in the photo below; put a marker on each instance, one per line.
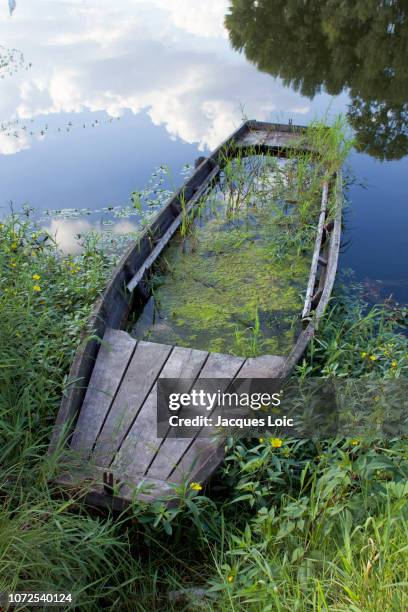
(95, 95)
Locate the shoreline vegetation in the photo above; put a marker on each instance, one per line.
(284, 524)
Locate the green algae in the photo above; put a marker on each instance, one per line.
(233, 281)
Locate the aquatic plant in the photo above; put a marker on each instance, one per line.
(244, 250)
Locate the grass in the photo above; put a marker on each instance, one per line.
(291, 524)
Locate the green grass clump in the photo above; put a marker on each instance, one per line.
(45, 302)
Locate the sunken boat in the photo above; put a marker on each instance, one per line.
(106, 427)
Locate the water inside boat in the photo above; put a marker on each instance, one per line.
(233, 279)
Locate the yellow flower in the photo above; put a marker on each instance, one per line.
(373, 357)
(13, 245)
(276, 442)
(363, 354)
(36, 277)
(195, 486)
(36, 288)
(230, 578)
(261, 440)
(355, 442)
(394, 364)
(13, 264)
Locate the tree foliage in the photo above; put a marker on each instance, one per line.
(327, 45)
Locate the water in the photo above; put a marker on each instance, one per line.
(165, 81)
(232, 281)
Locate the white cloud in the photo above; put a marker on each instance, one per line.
(65, 232)
(9, 144)
(202, 18)
(167, 57)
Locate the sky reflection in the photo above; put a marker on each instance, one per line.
(169, 59)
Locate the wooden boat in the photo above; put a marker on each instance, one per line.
(110, 400)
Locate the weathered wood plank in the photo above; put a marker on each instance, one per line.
(115, 353)
(172, 450)
(329, 278)
(333, 252)
(200, 461)
(145, 366)
(265, 366)
(141, 444)
(269, 138)
(204, 455)
(221, 366)
(316, 252)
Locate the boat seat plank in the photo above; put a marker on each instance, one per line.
(143, 370)
(115, 353)
(267, 137)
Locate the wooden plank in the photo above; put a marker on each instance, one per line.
(113, 358)
(296, 353)
(145, 366)
(316, 252)
(329, 278)
(172, 450)
(221, 366)
(200, 461)
(204, 455)
(265, 366)
(333, 253)
(269, 138)
(141, 444)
